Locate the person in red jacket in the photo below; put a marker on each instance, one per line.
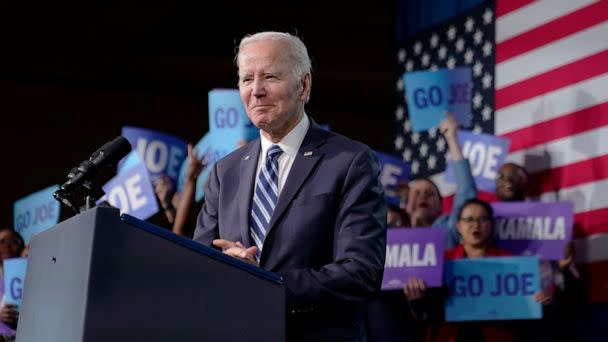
(475, 224)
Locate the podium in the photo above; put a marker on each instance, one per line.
(100, 276)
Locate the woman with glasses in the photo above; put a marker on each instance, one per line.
(474, 224)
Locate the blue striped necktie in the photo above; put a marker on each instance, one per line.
(265, 197)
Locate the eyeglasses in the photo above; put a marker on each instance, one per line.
(13, 241)
(480, 220)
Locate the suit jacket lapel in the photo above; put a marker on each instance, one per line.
(249, 163)
(306, 159)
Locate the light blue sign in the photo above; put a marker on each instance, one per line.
(36, 212)
(132, 192)
(203, 147)
(129, 161)
(228, 122)
(500, 288)
(14, 280)
(162, 153)
(430, 93)
(486, 153)
(393, 171)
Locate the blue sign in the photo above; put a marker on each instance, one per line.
(486, 153)
(393, 172)
(203, 147)
(132, 192)
(36, 212)
(228, 122)
(163, 154)
(129, 161)
(498, 288)
(14, 280)
(430, 93)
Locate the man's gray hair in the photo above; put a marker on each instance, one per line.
(298, 51)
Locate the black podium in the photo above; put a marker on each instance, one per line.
(102, 277)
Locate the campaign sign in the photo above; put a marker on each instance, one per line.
(132, 192)
(129, 161)
(499, 288)
(36, 212)
(162, 153)
(486, 153)
(430, 93)
(228, 122)
(413, 252)
(393, 171)
(534, 228)
(14, 279)
(203, 148)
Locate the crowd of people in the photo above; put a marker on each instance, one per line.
(328, 239)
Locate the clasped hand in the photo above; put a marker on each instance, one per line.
(237, 250)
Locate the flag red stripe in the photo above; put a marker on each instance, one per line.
(590, 222)
(569, 175)
(544, 132)
(580, 70)
(553, 30)
(504, 7)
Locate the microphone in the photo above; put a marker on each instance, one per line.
(108, 154)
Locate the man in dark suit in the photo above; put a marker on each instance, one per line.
(300, 201)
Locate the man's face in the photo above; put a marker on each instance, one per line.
(511, 183)
(426, 201)
(272, 96)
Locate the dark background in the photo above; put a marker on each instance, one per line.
(73, 73)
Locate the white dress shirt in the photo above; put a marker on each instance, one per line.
(290, 145)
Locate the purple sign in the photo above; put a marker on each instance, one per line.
(413, 252)
(486, 153)
(534, 228)
(394, 171)
(131, 192)
(163, 154)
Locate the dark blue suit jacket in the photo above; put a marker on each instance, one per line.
(327, 234)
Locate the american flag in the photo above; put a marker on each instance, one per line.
(550, 91)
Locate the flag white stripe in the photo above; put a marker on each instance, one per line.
(535, 14)
(591, 248)
(561, 52)
(445, 188)
(563, 151)
(552, 105)
(586, 197)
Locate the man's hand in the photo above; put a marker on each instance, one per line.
(414, 289)
(543, 297)
(196, 164)
(237, 250)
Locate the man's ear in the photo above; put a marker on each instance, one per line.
(306, 82)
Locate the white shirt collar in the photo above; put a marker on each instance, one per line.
(290, 144)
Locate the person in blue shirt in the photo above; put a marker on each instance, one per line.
(424, 204)
(388, 317)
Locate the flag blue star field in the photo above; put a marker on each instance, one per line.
(540, 74)
(467, 41)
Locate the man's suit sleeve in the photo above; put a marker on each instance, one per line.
(359, 242)
(207, 222)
